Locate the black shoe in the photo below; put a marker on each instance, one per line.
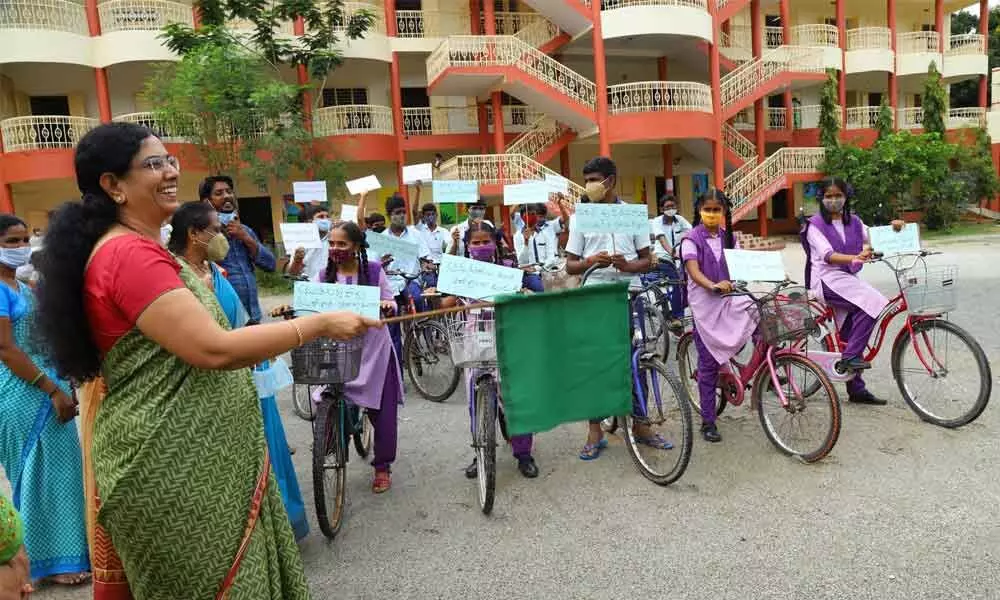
(527, 467)
(853, 365)
(472, 471)
(710, 433)
(866, 397)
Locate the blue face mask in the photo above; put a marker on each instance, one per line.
(227, 218)
(15, 257)
(323, 225)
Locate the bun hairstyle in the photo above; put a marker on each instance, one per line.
(356, 236)
(729, 240)
(73, 232)
(843, 186)
(191, 215)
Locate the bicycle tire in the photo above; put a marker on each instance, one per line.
(302, 402)
(682, 446)
(687, 372)
(654, 311)
(485, 441)
(411, 359)
(982, 364)
(329, 442)
(363, 433)
(763, 380)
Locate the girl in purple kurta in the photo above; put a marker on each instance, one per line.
(836, 245)
(379, 385)
(722, 325)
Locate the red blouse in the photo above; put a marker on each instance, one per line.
(124, 277)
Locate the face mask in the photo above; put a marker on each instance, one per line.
(484, 253)
(322, 224)
(378, 228)
(15, 257)
(398, 220)
(532, 220)
(430, 220)
(227, 218)
(596, 190)
(477, 213)
(834, 204)
(711, 219)
(670, 212)
(340, 256)
(217, 248)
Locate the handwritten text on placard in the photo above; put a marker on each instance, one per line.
(755, 265)
(307, 192)
(405, 253)
(323, 297)
(455, 192)
(890, 242)
(475, 279)
(300, 235)
(528, 192)
(625, 219)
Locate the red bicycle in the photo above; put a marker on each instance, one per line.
(929, 349)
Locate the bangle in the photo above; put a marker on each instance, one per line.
(37, 378)
(298, 332)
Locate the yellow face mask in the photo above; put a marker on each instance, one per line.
(711, 219)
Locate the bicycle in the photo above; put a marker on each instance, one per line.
(301, 393)
(783, 318)
(663, 417)
(425, 349)
(926, 295)
(324, 362)
(658, 310)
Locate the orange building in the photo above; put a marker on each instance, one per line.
(681, 93)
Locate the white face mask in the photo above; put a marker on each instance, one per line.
(834, 204)
(15, 257)
(670, 212)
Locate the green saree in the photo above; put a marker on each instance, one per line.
(177, 453)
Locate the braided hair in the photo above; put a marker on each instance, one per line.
(844, 187)
(483, 226)
(729, 241)
(355, 235)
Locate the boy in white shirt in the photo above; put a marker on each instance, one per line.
(668, 229)
(537, 243)
(477, 212)
(311, 262)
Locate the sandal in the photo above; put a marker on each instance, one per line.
(70, 579)
(657, 441)
(382, 482)
(592, 451)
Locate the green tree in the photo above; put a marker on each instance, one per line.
(883, 124)
(935, 102)
(966, 93)
(829, 113)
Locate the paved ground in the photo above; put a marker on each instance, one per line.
(900, 509)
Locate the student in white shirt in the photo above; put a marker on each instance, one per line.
(310, 262)
(477, 212)
(668, 229)
(435, 236)
(625, 256)
(537, 243)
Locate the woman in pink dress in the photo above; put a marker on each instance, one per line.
(722, 325)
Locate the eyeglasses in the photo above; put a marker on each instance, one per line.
(158, 163)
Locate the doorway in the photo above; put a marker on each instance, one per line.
(255, 213)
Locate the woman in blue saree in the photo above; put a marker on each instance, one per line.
(196, 238)
(39, 445)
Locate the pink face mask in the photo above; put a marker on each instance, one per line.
(484, 253)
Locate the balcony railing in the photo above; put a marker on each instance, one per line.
(807, 117)
(499, 169)
(648, 96)
(163, 131)
(509, 23)
(739, 36)
(244, 25)
(431, 23)
(542, 133)
(862, 117)
(815, 35)
(745, 187)
(869, 38)
(773, 37)
(352, 119)
(613, 4)
(917, 42)
(913, 118)
(351, 8)
(538, 33)
(967, 43)
(515, 117)
(777, 119)
(56, 15)
(742, 80)
(43, 133)
(142, 15)
(440, 120)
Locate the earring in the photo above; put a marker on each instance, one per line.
(119, 200)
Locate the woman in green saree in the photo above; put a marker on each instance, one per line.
(177, 468)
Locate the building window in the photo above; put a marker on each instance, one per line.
(343, 96)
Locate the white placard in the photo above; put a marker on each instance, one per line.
(624, 219)
(300, 235)
(362, 185)
(349, 212)
(405, 254)
(308, 192)
(455, 192)
(528, 192)
(557, 184)
(755, 265)
(416, 173)
(476, 279)
(364, 300)
(890, 242)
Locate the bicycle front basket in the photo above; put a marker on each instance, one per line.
(324, 361)
(786, 317)
(472, 340)
(930, 290)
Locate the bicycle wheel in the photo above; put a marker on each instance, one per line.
(687, 364)
(362, 431)
(302, 402)
(665, 413)
(329, 465)
(485, 441)
(648, 305)
(810, 425)
(428, 361)
(955, 357)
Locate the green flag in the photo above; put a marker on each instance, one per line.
(564, 356)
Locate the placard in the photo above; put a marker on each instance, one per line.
(755, 265)
(624, 219)
(300, 235)
(405, 254)
(469, 278)
(891, 243)
(362, 185)
(557, 184)
(455, 192)
(349, 212)
(528, 192)
(418, 173)
(310, 296)
(307, 192)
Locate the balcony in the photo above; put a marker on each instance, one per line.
(166, 133)
(44, 31)
(627, 18)
(862, 117)
(23, 134)
(913, 118)
(915, 51)
(965, 57)
(352, 119)
(869, 49)
(130, 30)
(659, 110)
(442, 120)
(48, 15)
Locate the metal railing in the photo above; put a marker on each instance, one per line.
(440, 120)
(500, 169)
(539, 33)
(749, 75)
(773, 37)
(613, 4)
(486, 51)
(862, 117)
(542, 133)
(807, 117)
(44, 132)
(746, 189)
(350, 119)
(55, 15)
(966, 43)
(431, 23)
(164, 131)
(777, 119)
(738, 143)
(917, 42)
(350, 8)
(509, 23)
(142, 15)
(648, 96)
(816, 35)
(913, 118)
(515, 117)
(869, 38)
